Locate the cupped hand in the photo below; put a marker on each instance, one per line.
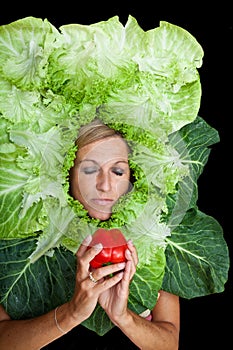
(88, 288)
(115, 299)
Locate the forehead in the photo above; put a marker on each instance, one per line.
(112, 148)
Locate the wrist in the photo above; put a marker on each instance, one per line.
(124, 320)
(57, 323)
(64, 318)
(75, 313)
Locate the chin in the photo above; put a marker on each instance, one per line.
(100, 215)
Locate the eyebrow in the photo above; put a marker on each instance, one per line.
(93, 161)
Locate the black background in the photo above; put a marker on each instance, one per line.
(206, 322)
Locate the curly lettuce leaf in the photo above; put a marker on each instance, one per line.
(52, 82)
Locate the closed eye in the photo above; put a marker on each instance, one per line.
(90, 170)
(118, 171)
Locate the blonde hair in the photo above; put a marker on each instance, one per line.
(94, 131)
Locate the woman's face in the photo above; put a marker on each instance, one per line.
(100, 176)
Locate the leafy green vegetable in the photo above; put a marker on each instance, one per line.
(147, 86)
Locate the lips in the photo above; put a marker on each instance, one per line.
(102, 202)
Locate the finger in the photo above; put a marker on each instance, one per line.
(132, 266)
(83, 246)
(101, 277)
(132, 261)
(133, 253)
(93, 251)
(84, 258)
(92, 278)
(107, 283)
(131, 246)
(127, 277)
(108, 270)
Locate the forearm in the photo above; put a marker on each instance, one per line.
(35, 333)
(149, 335)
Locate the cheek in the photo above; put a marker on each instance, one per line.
(123, 186)
(74, 184)
(84, 187)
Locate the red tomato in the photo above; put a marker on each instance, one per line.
(114, 246)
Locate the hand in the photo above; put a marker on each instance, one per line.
(87, 292)
(115, 299)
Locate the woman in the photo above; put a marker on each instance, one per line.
(99, 177)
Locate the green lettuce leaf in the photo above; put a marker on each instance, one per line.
(147, 86)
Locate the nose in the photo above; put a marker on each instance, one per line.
(103, 181)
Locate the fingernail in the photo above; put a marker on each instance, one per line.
(87, 240)
(98, 246)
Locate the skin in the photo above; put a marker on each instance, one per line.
(100, 176)
(98, 190)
